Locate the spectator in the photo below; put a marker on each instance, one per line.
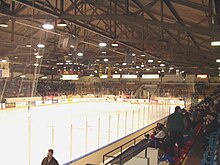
(175, 127)
(49, 160)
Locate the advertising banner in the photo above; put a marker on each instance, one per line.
(10, 105)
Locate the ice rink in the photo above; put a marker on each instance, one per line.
(72, 130)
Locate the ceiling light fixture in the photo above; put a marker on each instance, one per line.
(44, 77)
(62, 23)
(40, 45)
(80, 54)
(22, 76)
(124, 63)
(104, 52)
(137, 67)
(38, 56)
(150, 61)
(36, 64)
(159, 61)
(48, 26)
(143, 55)
(3, 24)
(102, 44)
(171, 68)
(70, 54)
(105, 59)
(142, 65)
(28, 45)
(133, 54)
(162, 65)
(4, 61)
(115, 44)
(215, 43)
(218, 60)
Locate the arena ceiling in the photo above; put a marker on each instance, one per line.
(177, 33)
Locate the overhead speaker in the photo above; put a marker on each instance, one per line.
(129, 58)
(68, 42)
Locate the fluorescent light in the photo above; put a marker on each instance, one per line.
(114, 44)
(124, 63)
(38, 56)
(3, 24)
(171, 68)
(22, 76)
(48, 26)
(137, 67)
(70, 54)
(4, 61)
(104, 52)
(40, 45)
(143, 55)
(102, 44)
(217, 60)
(36, 64)
(97, 60)
(44, 77)
(80, 54)
(62, 23)
(159, 61)
(150, 61)
(150, 76)
(133, 54)
(215, 43)
(105, 59)
(162, 65)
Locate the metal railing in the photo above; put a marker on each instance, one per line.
(118, 152)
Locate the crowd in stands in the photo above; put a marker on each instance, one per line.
(55, 89)
(180, 129)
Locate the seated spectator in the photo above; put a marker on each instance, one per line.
(165, 159)
(211, 124)
(158, 139)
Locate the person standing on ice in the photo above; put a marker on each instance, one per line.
(49, 160)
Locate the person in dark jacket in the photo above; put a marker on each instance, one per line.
(49, 160)
(175, 125)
